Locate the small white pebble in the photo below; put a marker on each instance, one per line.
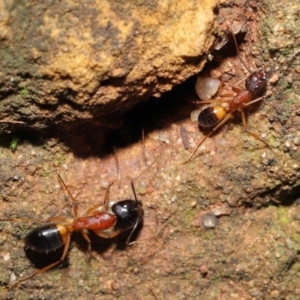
(6, 257)
(209, 221)
(104, 184)
(263, 155)
(221, 211)
(174, 198)
(13, 277)
(193, 203)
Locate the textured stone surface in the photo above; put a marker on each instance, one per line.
(65, 61)
(252, 253)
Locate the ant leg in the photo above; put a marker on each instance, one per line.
(66, 247)
(56, 219)
(19, 219)
(244, 119)
(88, 240)
(236, 89)
(217, 100)
(94, 208)
(227, 117)
(241, 81)
(52, 219)
(97, 206)
(75, 205)
(108, 235)
(253, 101)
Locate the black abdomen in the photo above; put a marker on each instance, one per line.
(44, 239)
(208, 117)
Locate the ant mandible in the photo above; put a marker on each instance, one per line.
(106, 220)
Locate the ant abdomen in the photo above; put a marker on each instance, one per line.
(46, 238)
(211, 116)
(256, 83)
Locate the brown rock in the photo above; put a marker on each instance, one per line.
(67, 62)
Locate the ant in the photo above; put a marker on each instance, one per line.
(106, 220)
(216, 115)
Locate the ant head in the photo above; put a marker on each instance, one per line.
(256, 83)
(129, 214)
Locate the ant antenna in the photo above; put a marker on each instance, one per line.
(117, 164)
(237, 49)
(74, 203)
(138, 220)
(134, 193)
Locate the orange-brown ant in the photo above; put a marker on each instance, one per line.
(223, 108)
(105, 220)
(217, 115)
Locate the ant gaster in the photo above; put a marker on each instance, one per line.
(106, 220)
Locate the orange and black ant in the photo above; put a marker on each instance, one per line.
(217, 115)
(223, 108)
(105, 220)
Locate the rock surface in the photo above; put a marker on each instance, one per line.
(64, 62)
(252, 252)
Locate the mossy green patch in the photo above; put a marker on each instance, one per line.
(60, 158)
(283, 217)
(24, 91)
(208, 235)
(189, 216)
(14, 143)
